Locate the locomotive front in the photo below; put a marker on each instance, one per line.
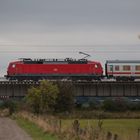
(12, 70)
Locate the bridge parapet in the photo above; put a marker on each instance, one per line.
(94, 89)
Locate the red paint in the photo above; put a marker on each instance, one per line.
(111, 73)
(22, 68)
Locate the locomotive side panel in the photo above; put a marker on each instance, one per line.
(59, 69)
(23, 70)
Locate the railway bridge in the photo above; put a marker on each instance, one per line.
(10, 89)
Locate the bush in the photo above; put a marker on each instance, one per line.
(118, 104)
(43, 98)
(109, 105)
(1, 104)
(11, 104)
(65, 98)
(138, 106)
(134, 106)
(50, 97)
(95, 104)
(89, 105)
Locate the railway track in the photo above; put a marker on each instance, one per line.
(73, 82)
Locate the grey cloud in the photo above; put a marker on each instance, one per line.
(71, 12)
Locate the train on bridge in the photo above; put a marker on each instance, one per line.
(72, 69)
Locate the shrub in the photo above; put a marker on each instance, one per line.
(118, 104)
(11, 104)
(138, 106)
(43, 98)
(89, 105)
(109, 105)
(1, 104)
(65, 98)
(134, 106)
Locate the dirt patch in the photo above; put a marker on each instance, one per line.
(9, 130)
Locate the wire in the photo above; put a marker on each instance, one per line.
(63, 46)
(75, 51)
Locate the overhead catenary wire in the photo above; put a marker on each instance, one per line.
(72, 45)
(47, 51)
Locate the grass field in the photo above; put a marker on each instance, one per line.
(119, 126)
(33, 130)
(126, 129)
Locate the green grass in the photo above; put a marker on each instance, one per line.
(119, 126)
(126, 128)
(33, 130)
(122, 126)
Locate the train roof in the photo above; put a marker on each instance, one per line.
(54, 61)
(123, 61)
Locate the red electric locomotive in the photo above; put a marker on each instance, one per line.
(28, 69)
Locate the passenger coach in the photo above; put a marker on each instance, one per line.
(122, 70)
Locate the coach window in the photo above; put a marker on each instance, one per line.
(111, 67)
(126, 68)
(117, 68)
(138, 68)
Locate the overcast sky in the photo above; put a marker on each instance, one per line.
(106, 29)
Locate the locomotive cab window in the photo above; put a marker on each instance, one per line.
(117, 68)
(126, 68)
